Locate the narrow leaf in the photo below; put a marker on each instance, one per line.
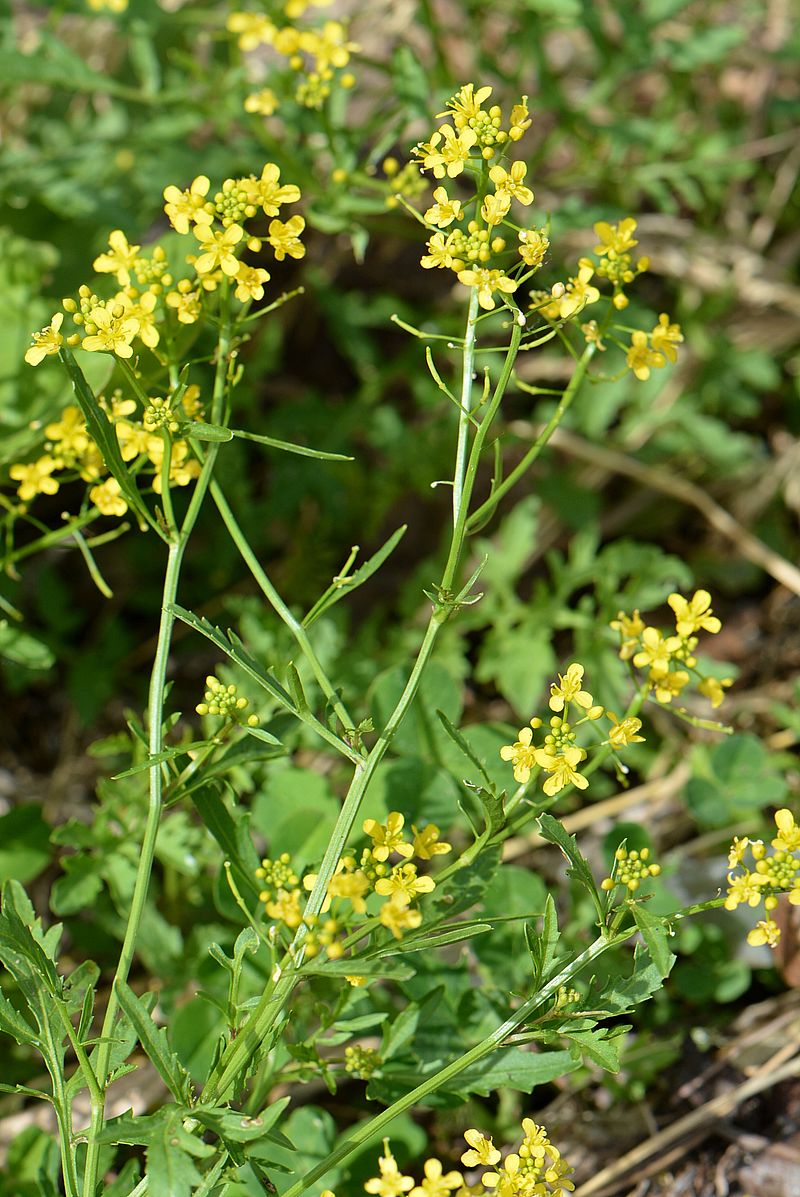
(154, 1042)
(542, 945)
(288, 447)
(655, 937)
(156, 758)
(339, 589)
(200, 431)
(551, 830)
(467, 749)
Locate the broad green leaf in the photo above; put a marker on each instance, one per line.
(620, 996)
(24, 844)
(155, 1044)
(655, 937)
(23, 649)
(600, 1044)
(733, 779)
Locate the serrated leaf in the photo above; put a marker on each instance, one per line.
(620, 996)
(233, 1126)
(600, 1044)
(12, 1023)
(551, 830)
(155, 1044)
(542, 944)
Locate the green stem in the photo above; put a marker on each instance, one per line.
(467, 372)
(373, 1128)
(155, 708)
(578, 375)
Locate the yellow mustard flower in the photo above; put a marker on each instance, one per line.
(143, 309)
(714, 689)
(264, 102)
(35, 478)
(68, 433)
(272, 193)
(114, 328)
(391, 1182)
(185, 302)
(437, 1182)
(511, 182)
(285, 238)
(522, 754)
(519, 120)
(444, 211)
(495, 208)
(250, 282)
(387, 837)
(667, 686)
(46, 342)
(218, 246)
(252, 29)
(403, 884)
(481, 1150)
(568, 689)
(184, 208)
(466, 104)
(656, 651)
(398, 917)
(352, 885)
(788, 837)
(427, 844)
(640, 357)
(440, 254)
(487, 281)
(533, 246)
(745, 889)
(766, 932)
(454, 152)
(624, 732)
(630, 628)
(286, 908)
(694, 614)
(665, 337)
(107, 498)
(615, 239)
(579, 291)
(120, 260)
(562, 767)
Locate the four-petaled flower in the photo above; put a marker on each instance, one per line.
(437, 1182)
(218, 246)
(285, 238)
(568, 689)
(46, 342)
(487, 281)
(693, 614)
(187, 207)
(115, 329)
(120, 260)
(511, 182)
(482, 1150)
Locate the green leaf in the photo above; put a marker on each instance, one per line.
(733, 779)
(12, 1023)
(104, 434)
(620, 996)
(234, 1127)
(199, 431)
(23, 649)
(288, 447)
(231, 831)
(156, 758)
(432, 938)
(155, 1044)
(600, 1044)
(340, 588)
(655, 937)
(357, 966)
(542, 945)
(171, 1149)
(24, 844)
(468, 751)
(258, 733)
(551, 830)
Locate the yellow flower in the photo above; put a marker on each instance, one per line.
(285, 908)
(694, 614)
(482, 1150)
(667, 686)
(250, 282)
(186, 303)
(521, 754)
(533, 245)
(398, 917)
(737, 850)
(444, 211)
(253, 29)
(387, 838)
(665, 337)
(143, 310)
(562, 769)
(427, 843)
(466, 104)
(766, 932)
(264, 102)
(487, 281)
(351, 885)
(656, 651)
(46, 342)
(271, 194)
(519, 120)
(454, 152)
(403, 885)
(437, 1182)
(69, 433)
(35, 478)
(615, 239)
(623, 733)
(579, 292)
(285, 238)
(641, 357)
(511, 182)
(744, 889)
(187, 207)
(391, 1182)
(788, 837)
(714, 689)
(630, 628)
(107, 498)
(569, 690)
(495, 208)
(120, 260)
(218, 249)
(440, 255)
(115, 329)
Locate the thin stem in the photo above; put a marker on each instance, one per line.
(468, 369)
(356, 1139)
(578, 375)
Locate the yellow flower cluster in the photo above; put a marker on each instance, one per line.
(558, 755)
(631, 868)
(385, 868)
(669, 659)
(535, 1169)
(71, 453)
(774, 873)
(653, 350)
(470, 246)
(226, 702)
(318, 54)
